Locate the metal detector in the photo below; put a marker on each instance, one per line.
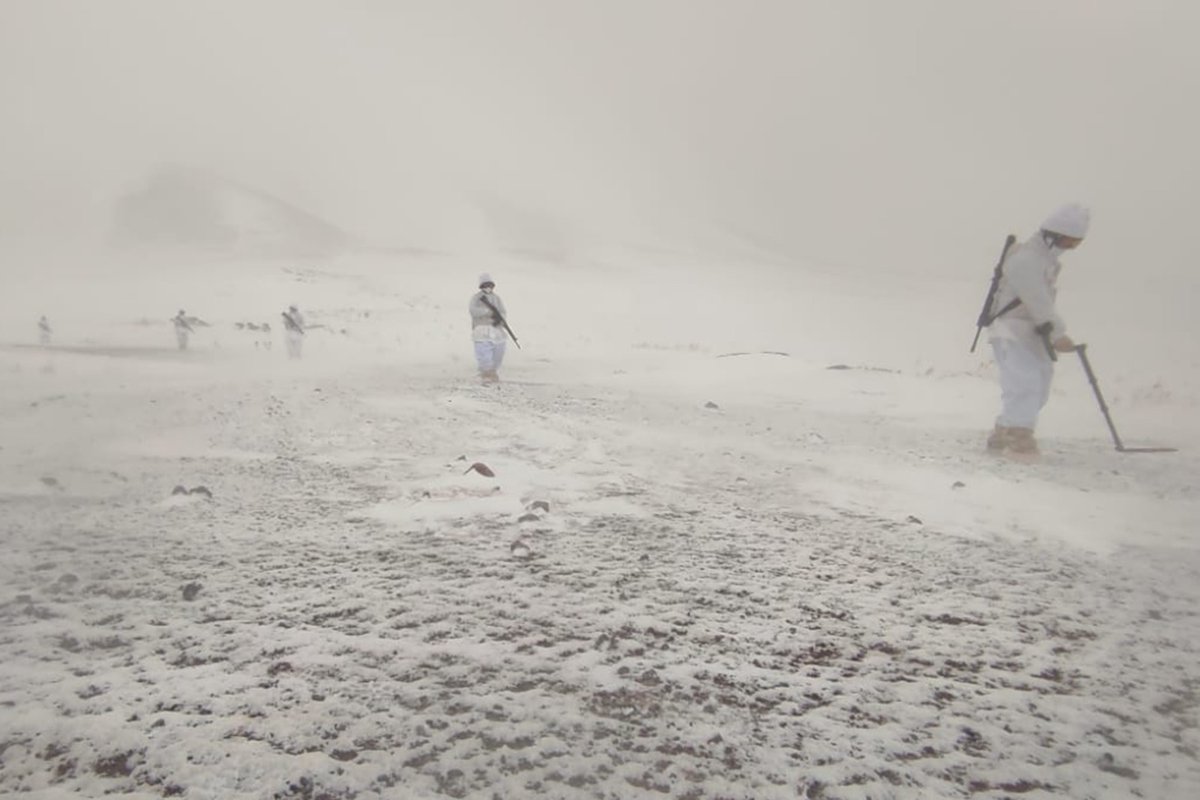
(1121, 448)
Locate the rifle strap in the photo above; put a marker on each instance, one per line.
(1016, 301)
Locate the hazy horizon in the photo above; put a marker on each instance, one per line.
(902, 136)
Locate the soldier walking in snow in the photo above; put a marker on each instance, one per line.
(293, 324)
(182, 329)
(44, 331)
(488, 325)
(1025, 327)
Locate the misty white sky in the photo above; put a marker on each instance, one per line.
(900, 134)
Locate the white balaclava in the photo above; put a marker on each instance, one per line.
(485, 278)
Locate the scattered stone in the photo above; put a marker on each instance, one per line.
(190, 591)
(864, 368)
(914, 520)
(519, 549)
(278, 667)
(755, 353)
(453, 783)
(68, 579)
(1108, 764)
(528, 518)
(116, 766)
(649, 678)
(52, 483)
(482, 469)
(179, 490)
(204, 490)
(53, 750)
(957, 485)
(539, 504)
(712, 405)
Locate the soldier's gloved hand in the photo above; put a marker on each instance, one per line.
(1063, 344)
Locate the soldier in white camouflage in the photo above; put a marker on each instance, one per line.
(487, 329)
(1027, 325)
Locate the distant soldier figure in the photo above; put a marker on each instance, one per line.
(183, 329)
(44, 331)
(488, 329)
(293, 323)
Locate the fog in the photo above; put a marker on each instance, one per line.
(903, 136)
(735, 531)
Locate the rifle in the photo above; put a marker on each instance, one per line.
(500, 318)
(985, 315)
(290, 323)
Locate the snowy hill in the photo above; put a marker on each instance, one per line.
(195, 209)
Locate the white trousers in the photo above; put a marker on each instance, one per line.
(295, 341)
(181, 338)
(1025, 375)
(489, 355)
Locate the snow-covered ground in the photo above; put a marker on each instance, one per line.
(706, 565)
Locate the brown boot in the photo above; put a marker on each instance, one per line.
(999, 438)
(1021, 442)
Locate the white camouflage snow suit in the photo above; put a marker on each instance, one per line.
(487, 333)
(1030, 274)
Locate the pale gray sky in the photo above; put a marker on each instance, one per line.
(881, 133)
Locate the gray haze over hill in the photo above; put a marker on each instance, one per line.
(907, 136)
